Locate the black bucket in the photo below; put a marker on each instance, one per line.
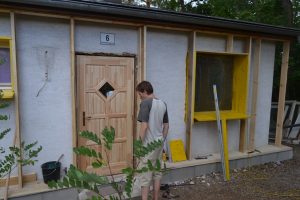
(51, 171)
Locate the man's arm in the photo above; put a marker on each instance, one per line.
(165, 129)
(143, 128)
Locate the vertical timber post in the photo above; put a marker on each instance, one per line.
(282, 91)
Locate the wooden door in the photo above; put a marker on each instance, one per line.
(106, 92)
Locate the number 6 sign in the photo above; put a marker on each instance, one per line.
(107, 38)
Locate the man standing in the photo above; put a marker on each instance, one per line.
(154, 120)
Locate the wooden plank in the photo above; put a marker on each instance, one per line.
(169, 28)
(39, 14)
(190, 91)
(144, 53)
(225, 149)
(14, 180)
(229, 43)
(107, 21)
(282, 91)
(14, 68)
(255, 85)
(5, 11)
(73, 88)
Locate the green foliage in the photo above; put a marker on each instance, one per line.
(90, 136)
(141, 151)
(108, 137)
(26, 154)
(91, 181)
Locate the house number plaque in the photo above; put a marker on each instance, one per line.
(107, 38)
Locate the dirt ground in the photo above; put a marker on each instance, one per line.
(277, 180)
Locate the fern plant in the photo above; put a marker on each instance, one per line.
(26, 154)
(91, 181)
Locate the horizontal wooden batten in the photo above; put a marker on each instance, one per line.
(103, 116)
(106, 21)
(14, 180)
(223, 53)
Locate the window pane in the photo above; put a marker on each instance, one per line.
(5, 78)
(213, 69)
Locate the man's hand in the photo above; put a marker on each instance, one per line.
(165, 129)
(143, 128)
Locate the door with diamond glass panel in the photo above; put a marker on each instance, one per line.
(105, 88)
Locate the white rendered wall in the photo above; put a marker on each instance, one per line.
(87, 38)
(212, 43)
(166, 54)
(205, 137)
(264, 98)
(4, 24)
(46, 118)
(239, 45)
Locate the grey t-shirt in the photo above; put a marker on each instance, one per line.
(154, 112)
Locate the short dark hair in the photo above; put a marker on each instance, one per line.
(144, 86)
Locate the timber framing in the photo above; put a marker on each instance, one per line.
(15, 179)
(191, 62)
(73, 87)
(282, 91)
(255, 86)
(15, 85)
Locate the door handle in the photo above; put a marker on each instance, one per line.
(83, 118)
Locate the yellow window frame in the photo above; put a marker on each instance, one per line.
(8, 91)
(239, 91)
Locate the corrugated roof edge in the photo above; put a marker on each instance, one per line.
(158, 15)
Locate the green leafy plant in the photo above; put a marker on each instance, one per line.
(91, 181)
(26, 154)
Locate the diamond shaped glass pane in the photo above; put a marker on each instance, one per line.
(107, 90)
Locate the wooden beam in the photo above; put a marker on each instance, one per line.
(107, 21)
(14, 68)
(190, 87)
(140, 75)
(144, 52)
(73, 89)
(15, 179)
(225, 149)
(255, 86)
(282, 90)
(244, 123)
(41, 14)
(168, 28)
(229, 43)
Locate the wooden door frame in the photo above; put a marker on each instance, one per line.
(77, 96)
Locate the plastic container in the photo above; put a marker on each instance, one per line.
(51, 171)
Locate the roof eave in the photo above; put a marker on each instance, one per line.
(158, 15)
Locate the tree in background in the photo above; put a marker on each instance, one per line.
(275, 12)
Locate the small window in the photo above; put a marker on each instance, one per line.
(5, 73)
(229, 72)
(213, 69)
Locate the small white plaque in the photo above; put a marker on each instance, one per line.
(107, 38)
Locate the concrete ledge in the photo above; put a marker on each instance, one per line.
(192, 168)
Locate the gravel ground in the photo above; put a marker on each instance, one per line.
(277, 180)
